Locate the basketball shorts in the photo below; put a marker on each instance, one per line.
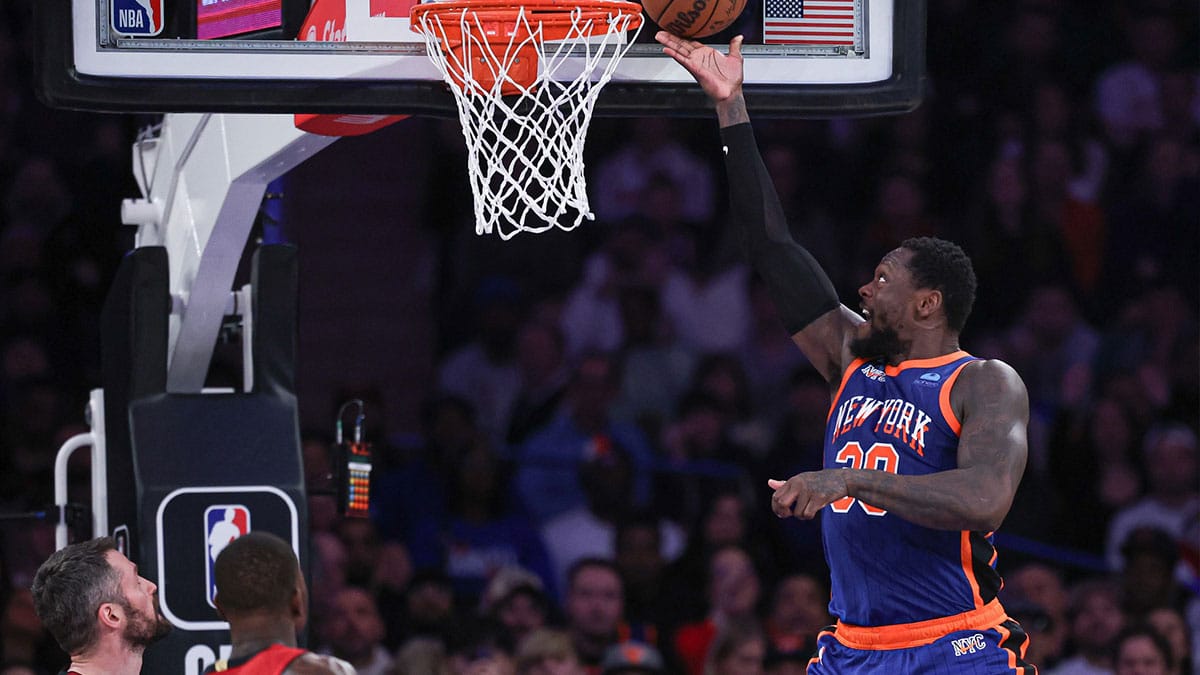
(953, 646)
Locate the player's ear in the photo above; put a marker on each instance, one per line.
(299, 604)
(110, 614)
(217, 603)
(929, 301)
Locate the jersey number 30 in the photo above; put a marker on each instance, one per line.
(880, 457)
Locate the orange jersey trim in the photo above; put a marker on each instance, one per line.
(968, 566)
(944, 399)
(817, 657)
(905, 635)
(1005, 636)
(924, 363)
(841, 387)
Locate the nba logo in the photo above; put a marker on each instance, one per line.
(141, 18)
(222, 524)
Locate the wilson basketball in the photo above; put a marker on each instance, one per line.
(693, 18)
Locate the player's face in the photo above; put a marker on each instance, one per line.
(145, 622)
(886, 304)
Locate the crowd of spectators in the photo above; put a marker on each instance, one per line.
(590, 467)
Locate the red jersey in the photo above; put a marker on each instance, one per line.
(271, 661)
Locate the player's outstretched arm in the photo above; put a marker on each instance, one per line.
(803, 295)
(992, 403)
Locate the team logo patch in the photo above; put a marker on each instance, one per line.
(140, 18)
(874, 373)
(969, 645)
(222, 524)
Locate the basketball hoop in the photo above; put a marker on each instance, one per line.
(523, 108)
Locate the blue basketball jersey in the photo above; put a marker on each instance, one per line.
(886, 570)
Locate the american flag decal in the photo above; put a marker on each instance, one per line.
(809, 22)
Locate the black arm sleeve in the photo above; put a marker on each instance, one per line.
(801, 290)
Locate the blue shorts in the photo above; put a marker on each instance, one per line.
(999, 649)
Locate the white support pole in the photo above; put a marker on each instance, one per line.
(60, 484)
(99, 464)
(99, 469)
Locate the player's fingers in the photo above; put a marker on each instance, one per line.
(674, 42)
(669, 42)
(791, 496)
(781, 503)
(811, 508)
(735, 46)
(778, 506)
(687, 48)
(799, 507)
(775, 484)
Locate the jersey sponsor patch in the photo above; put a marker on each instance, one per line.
(929, 380)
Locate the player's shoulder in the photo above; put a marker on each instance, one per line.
(989, 379)
(319, 664)
(990, 370)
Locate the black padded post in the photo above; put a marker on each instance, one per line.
(274, 279)
(133, 354)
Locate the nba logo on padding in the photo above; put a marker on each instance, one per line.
(222, 524)
(137, 17)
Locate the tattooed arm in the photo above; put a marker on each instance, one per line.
(802, 292)
(990, 400)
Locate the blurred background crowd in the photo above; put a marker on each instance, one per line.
(573, 431)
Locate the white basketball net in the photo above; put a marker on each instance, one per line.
(525, 150)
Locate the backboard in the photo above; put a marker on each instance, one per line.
(804, 58)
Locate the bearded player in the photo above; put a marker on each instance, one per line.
(925, 444)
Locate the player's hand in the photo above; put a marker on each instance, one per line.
(720, 75)
(805, 494)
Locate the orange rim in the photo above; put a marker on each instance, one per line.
(554, 16)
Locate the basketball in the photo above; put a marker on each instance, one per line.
(693, 18)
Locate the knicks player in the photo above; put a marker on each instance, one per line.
(924, 446)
